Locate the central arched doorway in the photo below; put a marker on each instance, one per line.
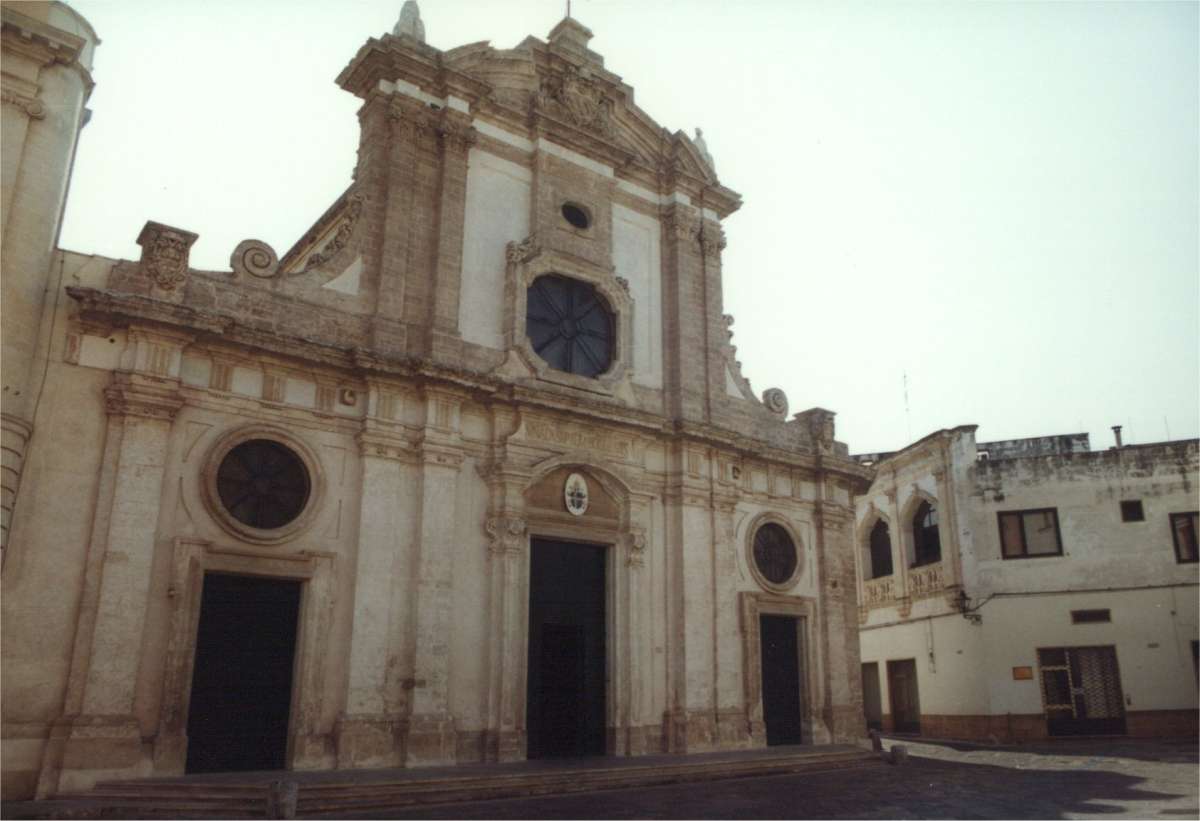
(566, 694)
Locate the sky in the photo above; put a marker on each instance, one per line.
(954, 213)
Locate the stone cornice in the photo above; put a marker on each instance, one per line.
(45, 42)
(121, 310)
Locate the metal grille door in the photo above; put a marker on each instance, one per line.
(1081, 691)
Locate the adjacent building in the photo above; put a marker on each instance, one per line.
(468, 473)
(1029, 588)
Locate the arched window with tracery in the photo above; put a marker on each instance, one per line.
(927, 546)
(881, 550)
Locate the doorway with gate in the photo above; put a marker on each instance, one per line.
(241, 692)
(1081, 691)
(566, 698)
(904, 698)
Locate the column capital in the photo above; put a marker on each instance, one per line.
(129, 395)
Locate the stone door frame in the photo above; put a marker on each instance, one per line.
(193, 558)
(805, 609)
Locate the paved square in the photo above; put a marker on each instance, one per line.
(1102, 778)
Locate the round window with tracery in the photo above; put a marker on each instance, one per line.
(263, 484)
(569, 325)
(774, 553)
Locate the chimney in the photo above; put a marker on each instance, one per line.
(1116, 429)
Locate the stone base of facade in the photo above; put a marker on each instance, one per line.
(431, 741)
(1032, 727)
(370, 741)
(1163, 723)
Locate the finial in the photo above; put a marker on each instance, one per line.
(702, 147)
(410, 22)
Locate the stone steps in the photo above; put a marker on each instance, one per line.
(373, 793)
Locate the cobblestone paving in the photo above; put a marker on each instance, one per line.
(1100, 778)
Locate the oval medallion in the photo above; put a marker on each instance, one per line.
(575, 494)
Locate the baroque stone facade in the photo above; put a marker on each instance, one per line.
(371, 417)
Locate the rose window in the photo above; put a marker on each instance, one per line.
(774, 553)
(569, 325)
(263, 484)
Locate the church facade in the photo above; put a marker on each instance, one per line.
(469, 473)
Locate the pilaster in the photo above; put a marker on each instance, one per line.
(99, 732)
(455, 138)
(372, 728)
(684, 296)
(431, 730)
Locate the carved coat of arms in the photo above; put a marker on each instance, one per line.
(573, 96)
(166, 261)
(575, 494)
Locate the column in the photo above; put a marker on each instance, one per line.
(684, 296)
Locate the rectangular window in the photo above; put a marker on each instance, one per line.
(1131, 511)
(1183, 527)
(1029, 533)
(1090, 616)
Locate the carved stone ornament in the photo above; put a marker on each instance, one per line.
(344, 232)
(682, 226)
(32, 106)
(456, 137)
(518, 252)
(624, 283)
(636, 541)
(573, 96)
(575, 494)
(255, 258)
(506, 534)
(165, 254)
(712, 240)
(776, 401)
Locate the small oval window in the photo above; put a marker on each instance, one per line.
(575, 215)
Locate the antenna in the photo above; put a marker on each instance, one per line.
(1166, 427)
(568, 8)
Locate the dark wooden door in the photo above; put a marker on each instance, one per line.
(566, 694)
(781, 679)
(905, 700)
(242, 680)
(872, 702)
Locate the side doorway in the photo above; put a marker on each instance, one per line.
(782, 679)
(1081, 691)
(241, 695)
(872, 699)
(903, 695)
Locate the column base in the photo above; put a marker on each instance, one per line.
(85, 749)
(431, 740)
(504, 745)
(370, 741)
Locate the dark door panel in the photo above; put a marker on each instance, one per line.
(566, 693)
(904, 698)
(781, 679)
(242, 679)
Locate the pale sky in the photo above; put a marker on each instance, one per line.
(999, 200)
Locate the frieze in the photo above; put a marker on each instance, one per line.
(576, 438)
(506, 535)
(878, 592)
(925, 582)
